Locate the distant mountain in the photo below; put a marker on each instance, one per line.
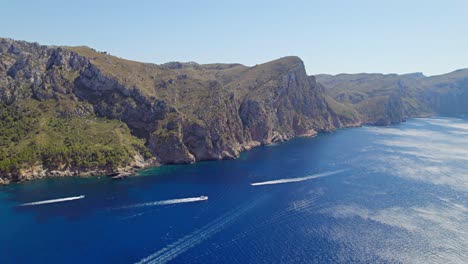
(383, 99)
(75, 111)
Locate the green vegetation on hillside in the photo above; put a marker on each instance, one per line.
(380, 99)
(71, 109)
(32, 133)
(344, 110)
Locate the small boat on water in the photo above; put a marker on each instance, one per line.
(203, 198)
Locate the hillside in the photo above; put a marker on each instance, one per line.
(390, 98)
(75, 111)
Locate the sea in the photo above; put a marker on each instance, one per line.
(395, 194)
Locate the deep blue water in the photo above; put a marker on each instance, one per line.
(398, 194)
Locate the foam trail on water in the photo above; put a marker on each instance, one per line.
(173, 250)
(55, 200)
(297, 179)
(168, 202)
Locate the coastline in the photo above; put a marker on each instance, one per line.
(133, 169)
(38, 172)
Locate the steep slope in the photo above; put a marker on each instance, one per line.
(387, 99)
(77, 110)
(447, 93)
(44, 129)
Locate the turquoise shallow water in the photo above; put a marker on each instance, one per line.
(392, 194)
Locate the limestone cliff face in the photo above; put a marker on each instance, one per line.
(389, 99)
(184, 112)
(129, 114)
(273, 107)
(454, 101)
(447, 93)
(267, 103)
(30, 70)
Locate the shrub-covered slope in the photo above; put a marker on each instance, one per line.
(385, 99)
(73, 110)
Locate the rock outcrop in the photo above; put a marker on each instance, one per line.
(389, 99)
(72, 110)
(183, 112)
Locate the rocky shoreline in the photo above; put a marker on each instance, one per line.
(132, 170)
(68, 111)
(38, 173)
(127, 171)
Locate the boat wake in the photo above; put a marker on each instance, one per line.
(167, 202)
(54, 200)
(297, 179)
(173, 250)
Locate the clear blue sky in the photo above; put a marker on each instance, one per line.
(330, 36)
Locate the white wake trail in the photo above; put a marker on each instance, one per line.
(173, 250)
(55, 200)
(168, 202)
(297, 179)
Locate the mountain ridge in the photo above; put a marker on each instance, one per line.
(177, 113)
(76, 111)
(420, 95)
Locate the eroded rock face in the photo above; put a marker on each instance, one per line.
(389, 99)
(185, 112)
(116, 101)
(449, 97)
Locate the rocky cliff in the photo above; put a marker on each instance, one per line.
(383, 99)
(76, 111)
(73, 110)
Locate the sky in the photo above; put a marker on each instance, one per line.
(348, 36)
